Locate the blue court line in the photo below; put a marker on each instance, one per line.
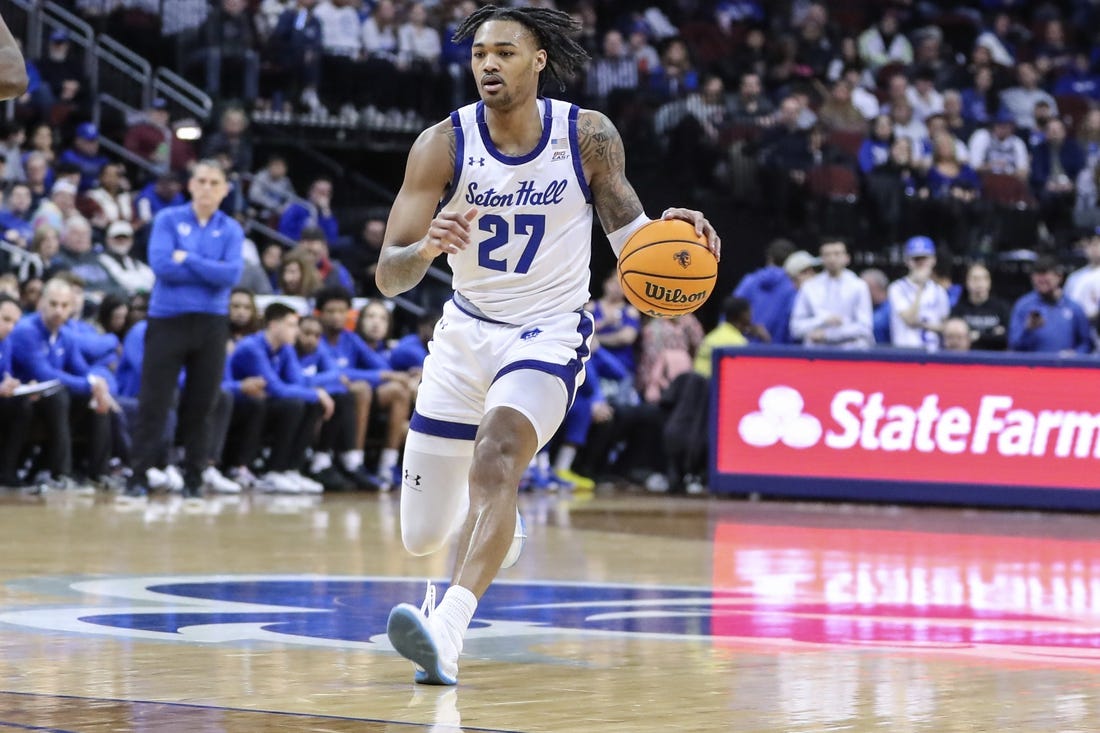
(20, 726)
(196, 706)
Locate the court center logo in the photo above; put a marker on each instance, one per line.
(780, 419)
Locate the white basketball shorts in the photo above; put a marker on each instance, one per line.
(468, 355)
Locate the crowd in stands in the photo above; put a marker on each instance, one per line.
(951, 131)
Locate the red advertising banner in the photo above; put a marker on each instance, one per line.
(992, 424)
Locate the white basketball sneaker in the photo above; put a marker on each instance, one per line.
(519, 539)
(421, 636)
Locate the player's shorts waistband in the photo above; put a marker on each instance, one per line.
(463, 304)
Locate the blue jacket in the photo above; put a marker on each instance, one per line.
(201, 283)
(38, 357)
(873, 153)
(356, 360)
(320, 370)
(298, 215)
(1066, 326)
(5, 358)
(408, 353)
(253, 357)
(89, 166)
(1071, 156)
(133, 354)
(96, 348)
(771, 293)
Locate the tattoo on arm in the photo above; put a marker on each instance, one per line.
(603, 155)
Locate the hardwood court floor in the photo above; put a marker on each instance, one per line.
(626, 613)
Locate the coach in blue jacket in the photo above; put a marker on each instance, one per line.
(195, 252)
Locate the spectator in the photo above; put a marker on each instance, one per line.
(677, 75)
(978, 101)
(874, 151)
(12, 137)
(618, 323)
(112, 316)
(736, 322)
(1055, 165)
(164, 191)
(1045, 320)
(1078, 78)
(923, 96)
(292, 411)
(367, 250)
(244, 318)
(58, 208)
(272, 190)
(669, 346)
(410, 351)
(997, 41)
(384, 66)
(1088, 137)
(150, 137)
(693, 127)
(233, 139)
(834, 307)
(231, 47)
(342, 73)
(61, 71)
(918, 304)
(42, 141)
(295, 47)
(952, 188)
(127, 274)
(784, 158)
(15, 412)
(77, 255)
(750, 106)
(891, 189)
(419, 48)
(770, 292)
(30, 290)
(877, 283)
(329, 270)
(999, 151)
(39, 178)
(298, 275)
(907, 125)
(85, 156)
(956, 335)
(315, 211)
(838, 112)
(16, 215)
(612, 70)
(1083, 285)
(985, 315)
(884, 43)
(1020, 100)
(110, 201)
(43, 351)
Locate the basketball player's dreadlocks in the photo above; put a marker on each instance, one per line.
(553, 30)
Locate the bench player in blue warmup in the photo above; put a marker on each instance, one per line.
(505, 188)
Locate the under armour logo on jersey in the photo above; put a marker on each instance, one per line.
(528, 335)
(411, 480)
(480, 161)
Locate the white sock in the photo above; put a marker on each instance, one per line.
(566, 454)
(387, 461)
(352, 460)
(321, 461)
(456, 610)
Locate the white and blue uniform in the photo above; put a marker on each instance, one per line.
(515, 333)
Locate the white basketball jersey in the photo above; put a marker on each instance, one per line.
(531, 242)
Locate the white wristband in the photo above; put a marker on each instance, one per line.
(620, 236)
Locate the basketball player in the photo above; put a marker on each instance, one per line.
(514, 179)
(13, 70)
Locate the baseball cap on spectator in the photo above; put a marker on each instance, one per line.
(920, 247)
(63, 186)
(59, 36)
(87, 131)
(1046, 263)
(159, 103)
(120, 229)
(799, 262)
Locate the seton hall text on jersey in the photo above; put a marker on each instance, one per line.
(525, 195)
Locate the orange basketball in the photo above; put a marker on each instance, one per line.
(666, 270)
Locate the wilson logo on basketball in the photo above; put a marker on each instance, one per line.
(676, 296)
(683, 257)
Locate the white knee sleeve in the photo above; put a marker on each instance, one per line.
(435, 491)
(540, 397)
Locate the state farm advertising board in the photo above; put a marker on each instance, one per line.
(896, 422)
